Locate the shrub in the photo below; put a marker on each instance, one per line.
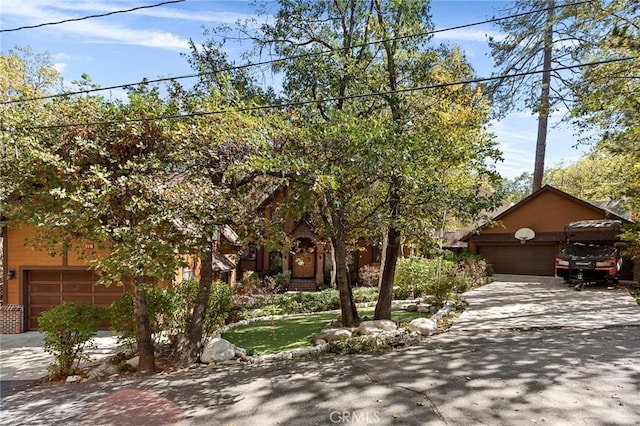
(369, 275)
(182, 298)
(68, 330)
(279, 283)
(441, 289)
(365, 294)
(122, 319)
(472, 268)
(414, 275)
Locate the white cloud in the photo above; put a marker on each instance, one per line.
(94, 30)
(60, 67)
(468, 34)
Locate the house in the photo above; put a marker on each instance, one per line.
(307, 260)
(545, 212)
(35, 281)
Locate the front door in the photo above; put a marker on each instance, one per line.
(304, 264)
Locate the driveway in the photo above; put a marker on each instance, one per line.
(521, 364)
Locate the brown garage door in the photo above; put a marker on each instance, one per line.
(45, 289)
(521, 259)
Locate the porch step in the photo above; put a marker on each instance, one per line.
(302, 285)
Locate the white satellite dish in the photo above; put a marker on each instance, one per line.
(525, 234)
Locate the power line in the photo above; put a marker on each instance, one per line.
(334, 99)
(273, 61)
(90, 16)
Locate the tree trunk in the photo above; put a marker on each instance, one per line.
(147, 360)
(544, 107)
(383, 307)
(202, 302)
(347, 306)
(334, 270)
(187, 347)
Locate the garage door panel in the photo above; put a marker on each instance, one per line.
(77, 287)
(78, 276)
(78, 298)
(37, 275)
(37, 288)
(112, 289)
(45, 299)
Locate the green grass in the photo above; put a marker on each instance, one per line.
(269, 337)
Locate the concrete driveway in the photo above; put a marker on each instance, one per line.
(520, 364)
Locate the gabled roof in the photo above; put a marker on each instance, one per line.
(547, 188)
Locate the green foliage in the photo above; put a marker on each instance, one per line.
(365, 294)
(294, 303)
(68, 331)
(279, 283)
(417, 276)
(122, 319)
(182, 297)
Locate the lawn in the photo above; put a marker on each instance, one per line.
(269, 337)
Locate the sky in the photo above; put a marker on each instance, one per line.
(148, 43)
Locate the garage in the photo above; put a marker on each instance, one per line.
(539, 221)
(521, 259)
(46, 288)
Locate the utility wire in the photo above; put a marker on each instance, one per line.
(333, 99)
(90, 16)
(273, 61)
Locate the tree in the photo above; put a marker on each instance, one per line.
(100, 182)
(518, 188)
(542, 39)
(218, 170)
(599, 175)
(342, 50)
(607, 95)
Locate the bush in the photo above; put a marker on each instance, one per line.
(414, 275)
(182, 297)
(68, 330)
(122, 319)
(278, 283)
(369, 275)
(441, 289)
(365, 294)
(296, 303)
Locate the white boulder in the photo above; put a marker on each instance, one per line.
(217, 350)
(332, 334)
(376, 326)
(424, 326)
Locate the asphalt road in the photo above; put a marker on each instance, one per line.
(504, 371)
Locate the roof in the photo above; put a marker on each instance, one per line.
(605, 212)
(221, 263)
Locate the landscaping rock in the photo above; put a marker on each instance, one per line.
(216, 350)
(412, 308)
(333, 334)
(133, 362)
(396, 307)
(376, 326)
(424, 309)
(73, 379)
(319, 342)
(433, 309)
(424, 326)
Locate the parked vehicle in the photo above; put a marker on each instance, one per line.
(586, 259)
